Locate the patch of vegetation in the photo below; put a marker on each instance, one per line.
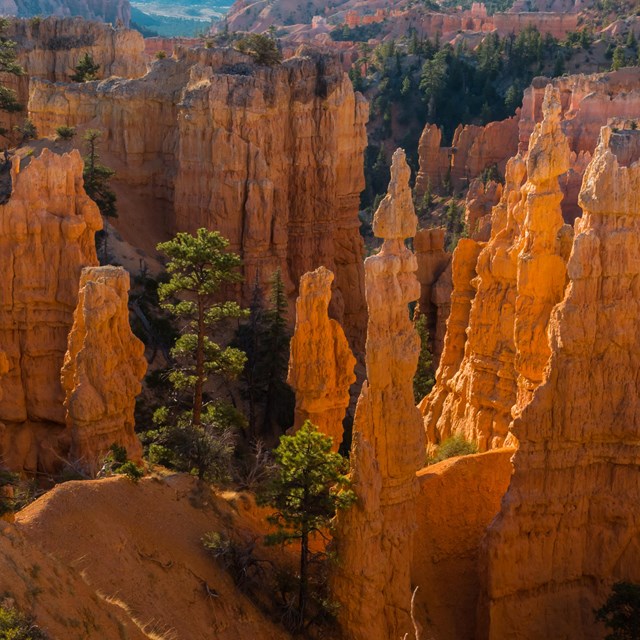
(451, 448)
(86, 70)
(15, 625)
(424, 378)
(117, 463)
(261, 47)
(621, 612)
(65, 133)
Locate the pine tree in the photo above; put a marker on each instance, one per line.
(309, 486)
(8, 64)
(619, 59)
(424, 379)
(86, 70)
(199, 267)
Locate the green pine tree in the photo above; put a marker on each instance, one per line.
(86, 70)
(8, 64)
(309, 486)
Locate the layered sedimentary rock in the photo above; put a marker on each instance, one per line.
(47, 237)
(480, 200)
(320, 362)
(50, 49)
(114, 11)
(102, 369)
(272, 157)
(569, 523)
(520, 276)
(473, 149)
(374, 541)
(434, 301)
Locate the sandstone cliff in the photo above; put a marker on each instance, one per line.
(569, 522)
(47, 236)
(374, 541)
(102, 368)
(272, 157)
(51, 48)
(520, 276)
(320, 362)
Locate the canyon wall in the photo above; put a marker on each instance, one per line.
(569, 523)
(320, 362)
(102, 369)
(374, 537)
(47, 237)
(520, 275)
(114, 11)
(50, 48)
(272, 157)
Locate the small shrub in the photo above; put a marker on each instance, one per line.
(116, 463)
(15, 625)
(27, 130)
(234, 557)
(262, 48)
(621, 612)
(453, 447)
(161, 55)
(65, 133)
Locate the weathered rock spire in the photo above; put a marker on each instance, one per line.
(374, 538)
(321, 363)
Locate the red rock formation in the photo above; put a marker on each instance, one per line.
(520, 277)
(480, 200)
(374, 541)
(272, 157)
(51, 48)
(320, 362)
(457, 500)
(433, 261)
(102, 369)
(555, 24)
(569, 522)
(472, 150)
(47, 236)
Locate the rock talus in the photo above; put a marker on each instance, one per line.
(320, 363)
(520, 276)
(374, 538)
(570, 525)
(103, 368)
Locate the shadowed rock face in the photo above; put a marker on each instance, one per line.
(520, 276)
(569, 525)
(272, 157)
(102, 369)
(320, 363)
(47, 237)
(374, 539)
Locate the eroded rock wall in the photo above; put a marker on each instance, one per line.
(272, 157)
(374, 539)
(47, 237)
(320, 362)
(569, 525)
(103, 368)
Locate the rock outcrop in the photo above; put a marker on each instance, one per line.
(272, 157)
(569, 523)
(102, 369)
(479, 202)
(50, 48)
(521, 275)
(114, 11)
(374, 541)
(320, 363)
(47, 237)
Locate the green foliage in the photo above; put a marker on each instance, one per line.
(86, 70)
(117, 463)
(65, 133)
(15, 625)
(308, 487)
(619, 58)
(424, 379)
(262, 48)
(621, 612)
(8, 481)
(160, 55)
(196, 434)
(27, 130)
(454, 221)
(451, 448)
(97, 176)
(8, 64)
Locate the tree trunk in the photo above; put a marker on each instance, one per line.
(304, 575)
(197, 394)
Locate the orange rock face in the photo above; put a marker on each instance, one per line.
(457, 500)
(374, 542)
(102, 369)
(320, 363)
(520, 276)
(568, 527)
(272, 157)
(48, 227)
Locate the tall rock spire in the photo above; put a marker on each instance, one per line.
(374, 538)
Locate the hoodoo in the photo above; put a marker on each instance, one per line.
(374, 541)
